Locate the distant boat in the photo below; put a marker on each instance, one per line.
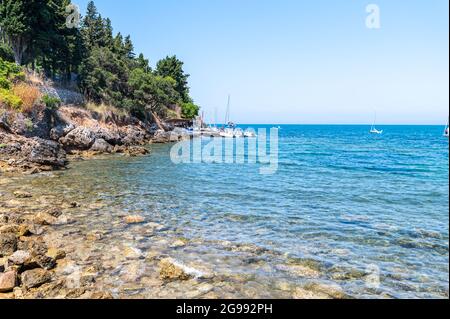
(446, 131)
(227, 133)
(373, 129)
(249, 133)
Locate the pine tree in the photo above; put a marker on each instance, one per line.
(16, 21)
(172, 67)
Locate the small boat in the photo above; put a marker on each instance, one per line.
(446, 131)
(238, 133)
(249, 133)
(227, 133)
(373, 129)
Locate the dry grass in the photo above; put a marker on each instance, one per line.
(29, 95)
(104, 110)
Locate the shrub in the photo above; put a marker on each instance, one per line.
(51, 102)
(189, 110)
(28, 94)
(11, 71)
(8, 99)
(6, 53)
(5, 83)
(29, 125)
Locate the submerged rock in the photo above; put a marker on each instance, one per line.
(170, 270)
(332, 291)
(22, 194)
(134, 219)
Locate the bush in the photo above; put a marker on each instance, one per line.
(28, 94)
(6, 53)
(51, 102)
(189, 110)
(8, 99)
(11, 71)
(29, 125)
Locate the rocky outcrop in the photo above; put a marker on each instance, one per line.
(81, 138)
(40, 141)
(28, 153)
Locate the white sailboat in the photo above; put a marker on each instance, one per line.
(373, 129)
(228, 128)
(446, 131)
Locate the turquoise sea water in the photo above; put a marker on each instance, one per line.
(343, 200)
(341, 196)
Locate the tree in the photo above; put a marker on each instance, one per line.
(152, 92)
(172, 67)
(16, 22)
(189, 110)
(103, 77)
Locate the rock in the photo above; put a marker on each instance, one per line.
(8, 281)
(332, 291)
(132, 253)
(3, 261)
(80, 138)
(100, 145)
(20, 258)
(59, 131)
(46, 152)
(19, 230)
(45, 219)
(300, 293)
(134, 151)
(56, 253)
(35, 278)
(3, 219)
(9, 229)
(170, 270)
(134, 136)
(134, 219)
(22, 194)
(8, 244)
(44, 261)
(55, 212)
(178, 244)
(162, 137)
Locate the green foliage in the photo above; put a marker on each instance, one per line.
(3, 145)
(8, 99)
(51, 102)
(10, 72)
(151, 92)
(6, 53)
(107, 68)
(189, 110)
(172, 67)
(29, 125)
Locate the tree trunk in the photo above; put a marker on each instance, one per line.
(19, 47)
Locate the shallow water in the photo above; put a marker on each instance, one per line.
(344, 202)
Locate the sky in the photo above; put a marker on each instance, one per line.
(299, 62)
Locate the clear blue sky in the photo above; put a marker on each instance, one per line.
(293, 61)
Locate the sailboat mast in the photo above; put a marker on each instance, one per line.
(227, 115)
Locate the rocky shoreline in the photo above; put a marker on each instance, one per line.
(46, 140)
(47, 253)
